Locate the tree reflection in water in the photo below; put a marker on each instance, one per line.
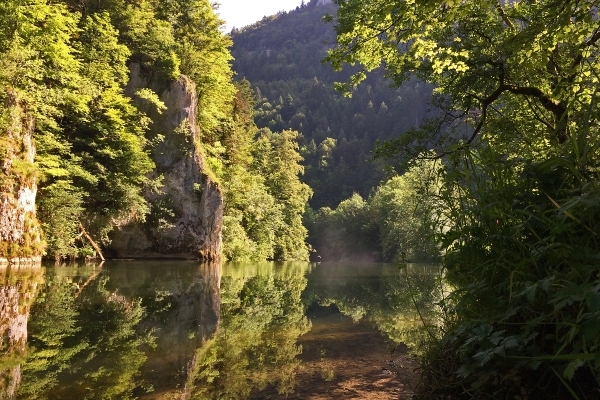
(83, 342)
(161, 329)
(182, 300)
(262, 316)
(18, 288)
(398, 301)
(128, 330)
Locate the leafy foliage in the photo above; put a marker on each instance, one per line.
(506, 71)
(396, 223)
(90, 145)
(277, 159)
(517, 83)
(264, 198)
(68, 62)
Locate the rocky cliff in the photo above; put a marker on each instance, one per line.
(19, 228)
(186, 214)
(18, 289)
(183, 312)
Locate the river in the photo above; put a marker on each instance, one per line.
(181, 329)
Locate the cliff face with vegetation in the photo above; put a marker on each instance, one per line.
(101, 163)
(135, 164)
(186, 214)
(19, 230)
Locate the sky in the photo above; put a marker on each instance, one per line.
(239, 13)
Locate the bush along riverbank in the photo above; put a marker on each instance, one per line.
(516, 141)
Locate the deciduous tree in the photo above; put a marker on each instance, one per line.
(506, 72)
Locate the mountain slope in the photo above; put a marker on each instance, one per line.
(281, 56)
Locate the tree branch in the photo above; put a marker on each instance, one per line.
(595, 37)
(94, 245)
(503, 15)
(548, 103)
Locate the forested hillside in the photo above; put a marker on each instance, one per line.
(64, 72)
(281, 57)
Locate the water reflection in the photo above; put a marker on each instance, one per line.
(262, 317)
(182, 302)
(114, 331)
(397, 300)
(177, 330)
(18, 288)
(83, 341)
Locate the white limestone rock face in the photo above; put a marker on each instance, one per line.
(186, 216)
(15, 303)
(19, 228)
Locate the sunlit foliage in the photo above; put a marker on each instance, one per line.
(264, 198)
(68, 63)
(396, 223)
(90, 146)
(262, 316)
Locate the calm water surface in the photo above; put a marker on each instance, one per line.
(177, 330)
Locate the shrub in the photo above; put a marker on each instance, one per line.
(523, 249)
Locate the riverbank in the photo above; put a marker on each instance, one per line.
(342, 359)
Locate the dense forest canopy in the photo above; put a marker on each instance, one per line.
(517, 83)
(281, 57)
(348, 217)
